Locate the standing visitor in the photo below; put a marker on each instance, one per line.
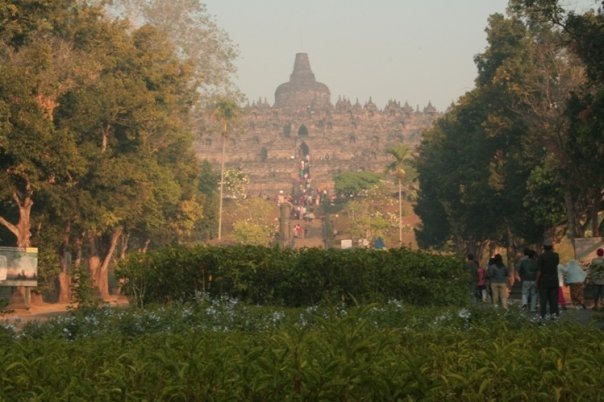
(547, 279)
(528, 275)
(596, 276)
(498, 275)
(575, 278)
(561, 298)
(481, 284)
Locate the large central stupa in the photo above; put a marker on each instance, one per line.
(343, 137)
(302, 91)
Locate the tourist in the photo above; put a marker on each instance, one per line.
(575, 278)
(547, 280)
(561, 298)
(596, 276)
(498, 275)
(527, 271)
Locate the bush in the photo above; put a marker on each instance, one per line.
(274, 276)
(222, 350)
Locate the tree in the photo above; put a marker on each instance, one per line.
(478, 167)
(398, 168)
(368, 215)
(224, 110)
(96, 129)
(354, 184)
(208, 186)
(254, 221)
(134, 127)
(586, 112)
(197, 37)
(36, 68)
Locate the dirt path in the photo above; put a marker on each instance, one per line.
(44, 311)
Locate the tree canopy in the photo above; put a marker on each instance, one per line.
(513, 159)
(97, 122)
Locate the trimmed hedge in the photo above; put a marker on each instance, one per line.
(273, 276)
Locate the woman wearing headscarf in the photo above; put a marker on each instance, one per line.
(575, 278)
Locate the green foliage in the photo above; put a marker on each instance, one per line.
(247, 232)
(222, 350)
(234, 183)
(366, 219)
(544, 197)
(97, 122)
(195, 34)
(253, 221)
(353, 184)
(504, 162)
(84, 294)
(293, 278)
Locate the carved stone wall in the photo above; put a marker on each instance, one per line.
(338, 138)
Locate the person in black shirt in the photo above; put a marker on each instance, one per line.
(547, 279)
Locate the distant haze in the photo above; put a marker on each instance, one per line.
(408, 50)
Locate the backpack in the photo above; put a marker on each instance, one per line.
(528, 269)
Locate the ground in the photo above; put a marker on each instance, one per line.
(42, 311)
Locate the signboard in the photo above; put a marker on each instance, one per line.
(18, 266)
(347, 243)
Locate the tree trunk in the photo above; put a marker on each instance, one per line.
(593, 215)
(570, 216)
(221, 183)
(103, 279)
(65, 258)
(22, 229)
(94, 261)
(400, 213)
(64, 287)
(145, 246)
(124, 246)
(22, 232)
(511, 252)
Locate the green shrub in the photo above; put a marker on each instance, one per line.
(381, 352)
(274, 276)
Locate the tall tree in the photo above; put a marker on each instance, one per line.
(586, 112)
(398, 168)
(37, 66)
(195, 34)
(225, 111)
(135, 127)
(96, 127)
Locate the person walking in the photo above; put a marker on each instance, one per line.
(575, 278)
(547, 280)
(498, 275)
(528, 275)
(596, 276)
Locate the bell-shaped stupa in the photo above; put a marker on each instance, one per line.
(302, 91)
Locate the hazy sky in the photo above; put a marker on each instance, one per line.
(408, 50)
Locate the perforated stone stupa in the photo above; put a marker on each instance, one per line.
(304, 124)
